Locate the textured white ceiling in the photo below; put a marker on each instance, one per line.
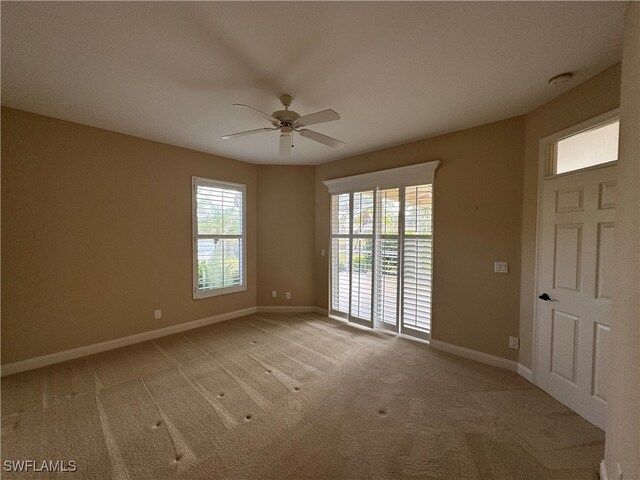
(395, 71)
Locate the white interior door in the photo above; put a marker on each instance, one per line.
(574, 287)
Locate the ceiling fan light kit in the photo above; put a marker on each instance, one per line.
(288, 122)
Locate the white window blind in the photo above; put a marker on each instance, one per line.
(340, 248)
(381, 250)
(416, 301)
(362, 255)
(218, 237)
(387, 258)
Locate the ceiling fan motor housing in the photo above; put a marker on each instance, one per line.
(286, 117)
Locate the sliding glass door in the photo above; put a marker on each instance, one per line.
(416, 254)
(352, 252)
(381, 258)
(362, 252)
(387, 276)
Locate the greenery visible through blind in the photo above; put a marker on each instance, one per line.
(218, 237)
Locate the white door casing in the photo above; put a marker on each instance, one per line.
(575, 270)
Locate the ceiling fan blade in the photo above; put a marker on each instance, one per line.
(266, 116)
(318, 137)
(285, 144)
(318, 117)
(248, 132)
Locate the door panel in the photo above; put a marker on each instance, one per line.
(604, 273)
(608, 195)
(564, 345)
(600, 352)
(567, 261)
(569, 200)
(575, 270)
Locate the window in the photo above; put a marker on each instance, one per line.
(218, 210)
(588, 148)
(381, 249)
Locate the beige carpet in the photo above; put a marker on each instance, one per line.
(274, 396)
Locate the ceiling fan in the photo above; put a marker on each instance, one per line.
(288, 122)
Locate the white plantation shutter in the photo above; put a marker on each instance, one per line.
(417, 283)
(340, 275)
(381, 248)
(340, 253)
(218, 237)
(387, 258)
(416, 301)
(361, 278)
(362, 255)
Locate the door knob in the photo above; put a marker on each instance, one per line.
(544, 297)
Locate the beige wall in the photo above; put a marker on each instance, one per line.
(117, 221)
(477, 208)
(598, 95)
(623, 422)
(96, 234)
(286, 223)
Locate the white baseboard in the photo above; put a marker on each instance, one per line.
(475, 355)
(603, 471)
(65, 355)
(43, 361)
(525, 372)
(286, 309)
(322, 311)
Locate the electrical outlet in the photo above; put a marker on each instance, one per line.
(274, 294)
(287, 295)
(514, 342)
(157, 314)
(501, 267)
(322, 252)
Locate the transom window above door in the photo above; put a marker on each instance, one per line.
(381, 249)
(592, 145)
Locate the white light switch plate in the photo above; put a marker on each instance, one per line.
(501, 267)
